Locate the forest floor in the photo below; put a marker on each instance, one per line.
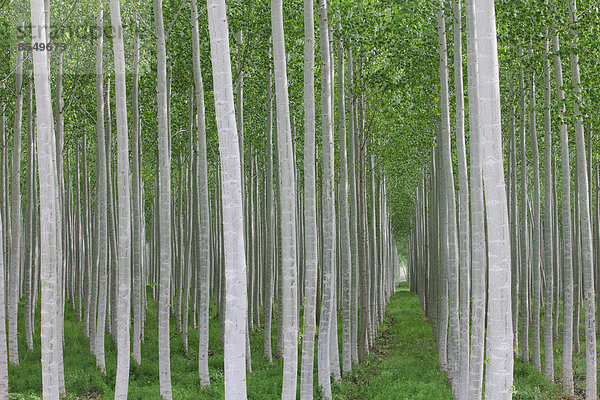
(403, 364)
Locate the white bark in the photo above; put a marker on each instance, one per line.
(329, 207)
(288, 213)
(448, 216)
(463, 210)
(49, 210)
(202, 180)
(139, 286)
(584, 219)
(123, 253)
(101, 199)
(3, 348)
(270, 234)
(548, 221)
(164, 209)
(567, 260)
(353, 211)
(346, 255)
(233, 219)
(536, 232)
(15, 225)
(310, 209)
(499, 339)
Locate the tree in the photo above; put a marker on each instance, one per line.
(567, 260)
(123, 253)
(164, 205)
(15, 225)
(345, 248)
(287, 194)
(499, 370)
(49, 209)
(329, 240)
(585, 221)
(101, 199)
(464, 255)
(231, 189)
(202, 183)
(310, 208)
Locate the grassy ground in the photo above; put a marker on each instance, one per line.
(402, 365)
(83, 380)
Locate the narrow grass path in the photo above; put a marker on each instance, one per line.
(403, 363)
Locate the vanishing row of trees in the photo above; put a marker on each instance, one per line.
(507, 246)
(234, 229)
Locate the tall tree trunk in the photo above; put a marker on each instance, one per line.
(101, 199)
(30, 225)
(353, 210)
(164, 205)
(270, 236)
(233, 218)
(3, 347)
(524, 281)
(584, 219)
(463, 210)
(310, 208)
(448, 218)
(123, 255)
(204, 234)
(548, 220)
(49, 210)
(567, 260)
(329, 207)
(499, 370)
(139, 286)
(15, 225)
(288, 213)
(345, 248)
(536, 232)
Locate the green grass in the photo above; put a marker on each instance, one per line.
(403, 363)
(82, 378)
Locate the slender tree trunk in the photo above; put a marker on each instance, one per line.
(137, 210)
(15, 225)
(49, 210)
(448, 220)
(101, 206)
(345, 247)
(164, 205)
(567, 260)
(536, 232)
(288, 213)
(548, 220)
(514, 234)
(499, 337)
(233, 219)
(30, 226)
(204, 234)
(353, 212)
(123, 255)
(463, 210)
(524, 281)
(586, 253)
(3, 347)
(310, 208)
(329, 257)
(270, 237)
